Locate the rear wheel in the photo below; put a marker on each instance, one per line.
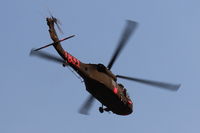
(101, 109)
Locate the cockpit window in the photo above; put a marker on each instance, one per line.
(124, 91)
(127, 95)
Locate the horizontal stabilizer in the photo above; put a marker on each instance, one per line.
(54, 43)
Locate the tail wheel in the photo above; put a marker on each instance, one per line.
(101, 109)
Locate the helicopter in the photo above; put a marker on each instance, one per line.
(99, 80)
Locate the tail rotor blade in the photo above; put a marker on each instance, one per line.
(57, 22)
(169, 86)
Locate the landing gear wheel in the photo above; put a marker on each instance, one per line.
(101, 109)
(65, 64)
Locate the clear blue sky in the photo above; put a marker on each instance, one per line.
(38, 96)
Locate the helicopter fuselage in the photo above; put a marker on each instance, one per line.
(99, 81)
(113, 98)
(100, 84)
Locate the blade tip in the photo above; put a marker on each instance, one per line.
(178, 86)
(134, 23)
(31, 52)
(83, 113)
(175, 87)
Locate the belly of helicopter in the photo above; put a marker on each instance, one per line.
(107, 97)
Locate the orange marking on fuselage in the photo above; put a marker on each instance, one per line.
(72, 60)
(115, 90)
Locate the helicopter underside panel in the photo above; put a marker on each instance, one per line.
(107, 97)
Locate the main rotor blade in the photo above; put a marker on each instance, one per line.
(129, 29)
(87, 105)
(46, 56)
(169, 86)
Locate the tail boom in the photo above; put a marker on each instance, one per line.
(70, 60)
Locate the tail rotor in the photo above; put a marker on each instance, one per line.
(57, 22)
